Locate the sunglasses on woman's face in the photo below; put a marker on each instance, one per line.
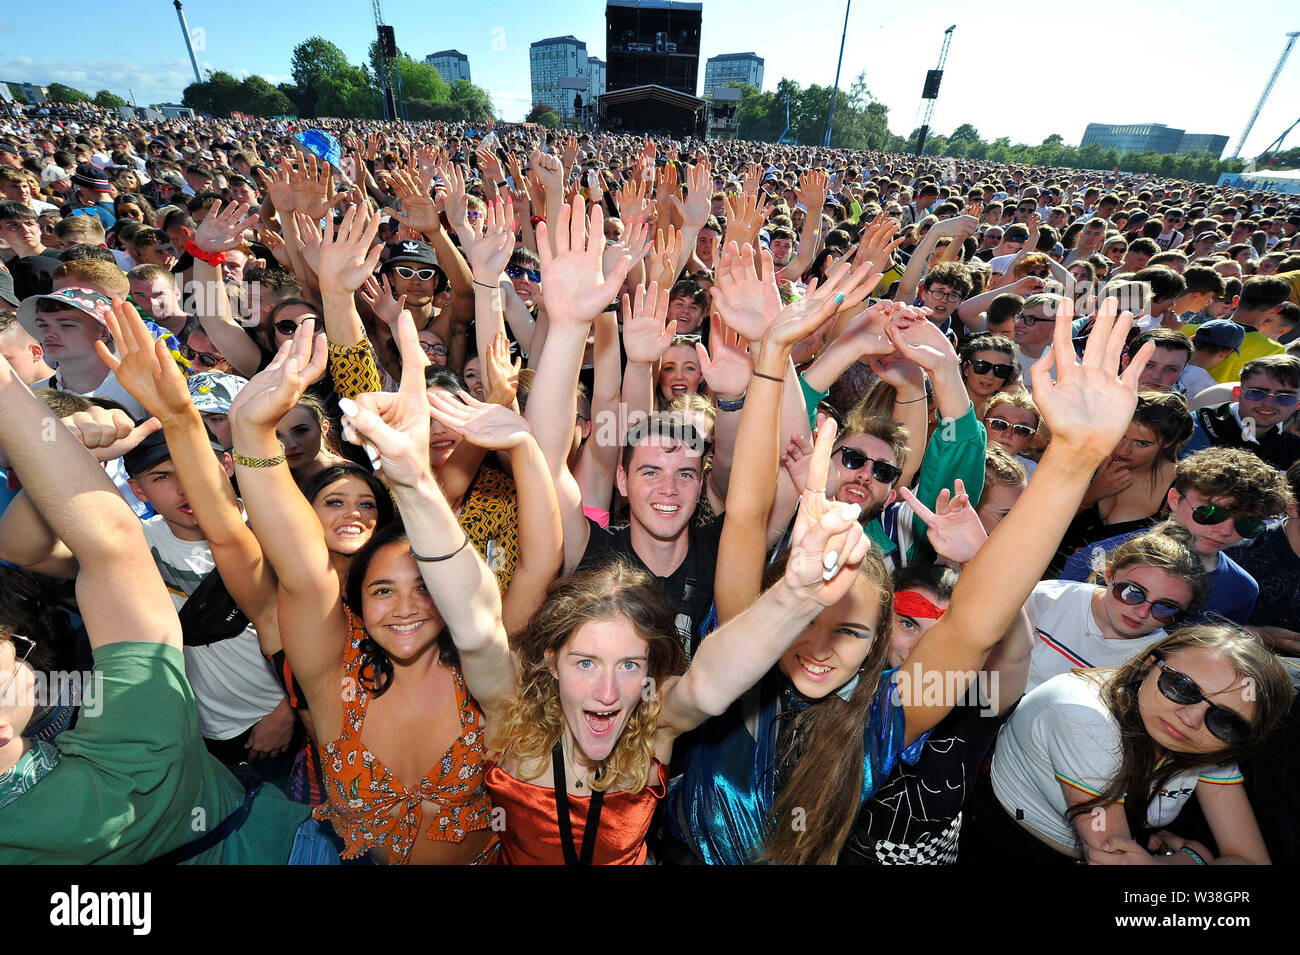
(1180, 688)
(288, 327)
(1133, 595)
(518, 272)
(23, 647)
(854, 460)
(999, 425)
(206, 359)
(982, 367)
(406, 272)
(1216, 514)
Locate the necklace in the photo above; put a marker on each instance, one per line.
(578, 776)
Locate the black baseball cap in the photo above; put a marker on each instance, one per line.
(153, 449)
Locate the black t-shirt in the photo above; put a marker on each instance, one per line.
(913, 818)
(1276, 568)
(689, 588)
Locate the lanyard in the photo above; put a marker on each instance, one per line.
(562, 814)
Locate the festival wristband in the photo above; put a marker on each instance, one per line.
(212, 258)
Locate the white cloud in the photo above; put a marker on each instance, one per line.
(150, 82)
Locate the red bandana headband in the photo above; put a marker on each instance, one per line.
(908, 603)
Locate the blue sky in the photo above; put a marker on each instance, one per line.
(1021, 70)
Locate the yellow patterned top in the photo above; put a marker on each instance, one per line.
(354, 370)
(490, 518)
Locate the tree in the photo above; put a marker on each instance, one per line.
(550, 120)
(535, 114)
(314, 59)
(222, 94)
(58, 93)
(476, 104)
(109, 100)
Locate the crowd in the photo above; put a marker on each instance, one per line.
(418, 494)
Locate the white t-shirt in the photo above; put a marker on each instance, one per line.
(999, 264)
(1024, 362)
(108, 388)
(1193, 381)
(232, 681)
(1062, 733)
(1066, 635)
(1029, 464)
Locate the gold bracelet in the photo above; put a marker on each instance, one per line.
(248, 462)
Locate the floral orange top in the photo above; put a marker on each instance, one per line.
(369, 806)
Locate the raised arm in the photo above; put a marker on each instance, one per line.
(812, 196)
(1087, 409)
(119, 592)
(220, 231)
(598, 460)
(144, 368)
(312, 621)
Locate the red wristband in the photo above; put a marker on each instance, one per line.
(536, 219)
(212, 258)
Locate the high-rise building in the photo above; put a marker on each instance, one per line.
(1156, 137)
(595, 76)
(551, 60)
(452, 65)
(727, 68)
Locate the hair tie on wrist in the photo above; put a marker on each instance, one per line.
(434, 560)
(759, 374)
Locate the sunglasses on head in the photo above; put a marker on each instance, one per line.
(999, 425)
(1217, 514)
(1152, 411)
(982, 367)
(1284, 399)
(406, 272)
(881, 471)
(1133, 595)
(519, 271)
(206, 359)
(1180, 688)
(288, 327)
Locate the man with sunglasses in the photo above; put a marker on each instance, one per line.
(1222, 496)
(1268, 394)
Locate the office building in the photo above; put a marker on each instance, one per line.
(452, 65)
(1154, 137)
(595, 76)
(727, 68)
(552, 60)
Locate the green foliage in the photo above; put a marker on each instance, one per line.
(860, 122)
(535, 114)
(58, 93)
(222, 94)
(312, 60)
(474, 101)
(109, 100)
(549, 119)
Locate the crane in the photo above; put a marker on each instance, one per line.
(1268, 88)
(931, 91)
(1277, 143)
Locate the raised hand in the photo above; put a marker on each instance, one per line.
(500, 374)
(728, 370)
(275, 242)
(699, 195)
(223, 229)
(418, 211)
(488, 253)
(344, 261)
(866, 331)
(634, 244)
(919, 340)
(577, 288)
(812, 191)
(143, 365)
(313, 186)
(1089, 406)
(955, 530)
(490, 426)
(749, 185)
(280, 385)
(280, 189)
(877, 244)
(796, 457)
(662, 266)
(745, 217)
(108, 434)
(646, 331)
(827, 545)
(747, 297)
(378, 294)
(394, 427)
(549, 170)
(456, 202)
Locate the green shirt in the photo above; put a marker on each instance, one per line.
(136, 781)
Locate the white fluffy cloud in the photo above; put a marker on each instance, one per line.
(154, 82)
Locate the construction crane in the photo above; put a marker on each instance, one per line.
(1268, 88)
(931, 91)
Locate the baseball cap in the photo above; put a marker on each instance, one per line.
(213, 391)
(82, 299)
(8, 147)
(1207, 234)
(154, 449)
(174, 179)
(1221, 333)
(91, 177)
(54, 173)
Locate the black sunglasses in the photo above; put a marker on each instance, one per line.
(881, 471)
(1152, 411)
(1180, 688)
(1133, 595)
(206, 359)
(289, 328)
(982, 367)
(26, 645)
(1217, 514)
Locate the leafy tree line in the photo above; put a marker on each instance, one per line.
(326, 84)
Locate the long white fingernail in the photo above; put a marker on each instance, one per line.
(374, 455)
(830, 559)
(850, 512)
(830, 572)
(348, 406)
